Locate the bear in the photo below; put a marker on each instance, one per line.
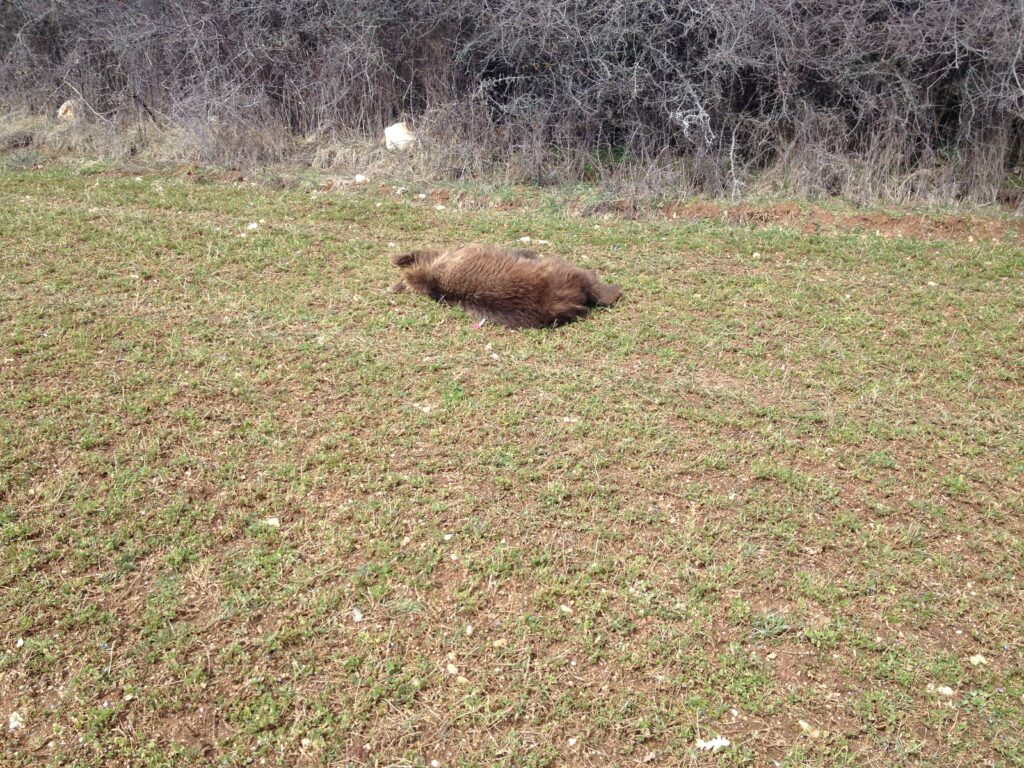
(510, 287)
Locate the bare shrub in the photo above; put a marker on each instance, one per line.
(914, 99)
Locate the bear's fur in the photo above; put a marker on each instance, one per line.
(514, 288)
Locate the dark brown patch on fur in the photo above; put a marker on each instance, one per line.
(514, 288)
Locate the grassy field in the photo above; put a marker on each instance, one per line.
(255, 510)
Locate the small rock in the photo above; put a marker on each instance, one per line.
(809, 729)
(462, 680)
(273, 522)
(977, 660)
(565, 609)
(452, 669)
(357, 615)
(500, 643)
(20, 643)
(525, 239)
(469, 630)
(306, 743)
(650, 757)
(435, 764)
(572, 741)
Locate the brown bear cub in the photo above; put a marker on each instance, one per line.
(514, 288)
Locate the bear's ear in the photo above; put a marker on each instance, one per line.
(404, 260)
(422, 257)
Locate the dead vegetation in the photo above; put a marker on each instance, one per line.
(911, 101)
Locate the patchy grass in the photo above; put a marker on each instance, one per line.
(780, 481)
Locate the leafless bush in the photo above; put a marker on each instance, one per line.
(899, 98)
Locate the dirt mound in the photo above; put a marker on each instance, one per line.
(810, 220)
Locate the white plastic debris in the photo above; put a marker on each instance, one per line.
(15, 722)
(20, 643)
(359, 178)
(713, 745)
(398, 136)
(572, 741)
(252, 226)
(68, 111)
(357, 615)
